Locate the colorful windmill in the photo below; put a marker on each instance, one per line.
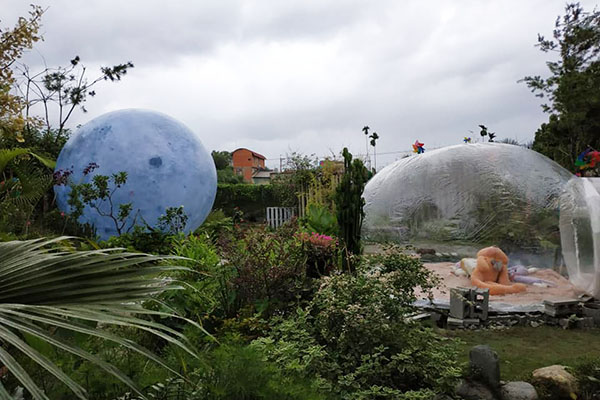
(588, 159)
(418, 147)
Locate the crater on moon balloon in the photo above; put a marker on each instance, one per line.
(155, 162)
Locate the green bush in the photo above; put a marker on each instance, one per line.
(215, 225)
(235, 372)
(322, 254)
(207, 295)
(251, 200)
(152, 241)
(270, 267)
(587, 372)
(355, 338)
(407, 273)
(320, 220)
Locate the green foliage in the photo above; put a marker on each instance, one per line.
(98, 195)
(44, 141)
(235, 372)
(13, 42)
(320, 220)
(173, 221)
(572, 87)
(251, 200)
(322, 253)
(227, 176)
(240, 373)
(46, 291)
(349, 205)
(406, 272)
(22, 184)
(207, 296)
(145, 240)
(225, 173)
(270, 267)
(587, 372)
(216, 225)
(222, 159)
(297, 175)
(354, 337)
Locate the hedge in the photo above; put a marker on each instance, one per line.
(251, 200)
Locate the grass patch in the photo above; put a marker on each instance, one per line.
(524, 349)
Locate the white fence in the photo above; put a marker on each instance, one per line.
(277, 216)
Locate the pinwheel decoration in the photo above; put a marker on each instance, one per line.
(467, 140)
(418, 147)
(588, 159)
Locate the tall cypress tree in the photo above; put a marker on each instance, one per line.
(349, 207)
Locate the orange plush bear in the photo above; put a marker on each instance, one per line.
(491, 272)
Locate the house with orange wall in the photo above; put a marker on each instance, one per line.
(247, 163)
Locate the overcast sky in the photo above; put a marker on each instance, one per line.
(280, 76)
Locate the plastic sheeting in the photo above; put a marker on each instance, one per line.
(580, 232)
(488, 193)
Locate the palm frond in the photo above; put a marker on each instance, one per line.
(45, 286)
(8, 155)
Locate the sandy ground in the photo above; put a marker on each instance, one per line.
(563, 290)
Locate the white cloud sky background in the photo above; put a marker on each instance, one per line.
(282, 76)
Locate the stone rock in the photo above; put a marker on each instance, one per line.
(564, 323)
(556, 377)
(485, 365)
(468, 390)
(518, 391)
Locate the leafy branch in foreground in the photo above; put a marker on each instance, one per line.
(45, 288)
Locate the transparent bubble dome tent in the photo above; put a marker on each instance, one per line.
(580, 232)
(475, 195)
(483, 193)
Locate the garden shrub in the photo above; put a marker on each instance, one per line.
(270, 267)
(354, 336)
(98, 384)
(143, 239)
(407, 273)
(587, 372)
(215, 225)
(320, 220)
(235, 372)
(322, 253)
(238, 373)
(250, 200)
(207, 294)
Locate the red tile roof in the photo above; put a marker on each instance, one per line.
(255, 154)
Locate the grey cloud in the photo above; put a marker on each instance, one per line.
(307, 75)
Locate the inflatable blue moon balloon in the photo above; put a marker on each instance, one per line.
(166, 165)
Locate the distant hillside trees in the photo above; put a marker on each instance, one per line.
(572, 91)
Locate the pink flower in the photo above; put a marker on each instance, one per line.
(62, 214)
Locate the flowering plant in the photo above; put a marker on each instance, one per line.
(322, 253)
